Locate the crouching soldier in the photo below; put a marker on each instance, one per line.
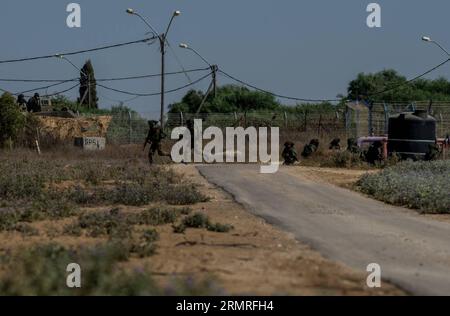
(154, 138)
(433, 152)
(310, 148)
(375, 153)
(289, 154)
(352, 146)
(335, 144)
(22, 103)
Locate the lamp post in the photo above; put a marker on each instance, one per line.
(429, 40)
(88, 92)
(162, 42)
(214, 68)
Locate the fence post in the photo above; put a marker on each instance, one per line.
(285, 119)
(181, 118)
(130, 128)
(306, 120)
(386, 118)
(319, 126)
(370, 119)
(347, 120)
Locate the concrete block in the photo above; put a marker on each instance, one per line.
(91, 143)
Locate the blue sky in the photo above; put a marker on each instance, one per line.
(308, 49)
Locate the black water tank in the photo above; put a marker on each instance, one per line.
(410, 134)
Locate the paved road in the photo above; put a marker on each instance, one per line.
(413, 251)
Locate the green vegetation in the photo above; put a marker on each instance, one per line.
(87, 79)
(424, 186)
(200, 220)
(68, 193)
(12, 121)
(229, 99)
(37, 184)
(371, 87)
(41, 271)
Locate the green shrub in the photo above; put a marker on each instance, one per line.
(419, 185)
(200, 220)
(197, 220)
(157, 216)
(220, 228)
(26, 229)
(12, 121)
(184, 194)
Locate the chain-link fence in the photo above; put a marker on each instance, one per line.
(354, 120)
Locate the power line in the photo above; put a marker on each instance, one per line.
(63, 91)
(336, 100)
(156, 93)
(410, 80)
(275, 94)
(154, 75)
(145, 40)
(43, 88)
(104, 79)
(179, 62)
(38, 80)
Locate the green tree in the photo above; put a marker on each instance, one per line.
(12, 121)
(389, 86)
(88, 86)
(229, 98)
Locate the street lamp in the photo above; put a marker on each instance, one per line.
(214, 68)
(429, 40)
(162, 42)
(88, 91)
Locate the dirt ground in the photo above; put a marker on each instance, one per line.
(255, 258)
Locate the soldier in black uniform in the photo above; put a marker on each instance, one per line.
(154, 137)
(34, 104)
(289, 154)
(335, 144)
(375, 153)
(352, 146)
(433, 152)
(310, 148)
(21, 102)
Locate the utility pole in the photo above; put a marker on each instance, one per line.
(162, 42)
(214, 69)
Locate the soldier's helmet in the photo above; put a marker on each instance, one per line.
(289, 144)
(152, 123)
(37, 96)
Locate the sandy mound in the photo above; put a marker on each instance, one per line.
(66, 129)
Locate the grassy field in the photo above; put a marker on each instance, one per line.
(101, 212)
(424, 186)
